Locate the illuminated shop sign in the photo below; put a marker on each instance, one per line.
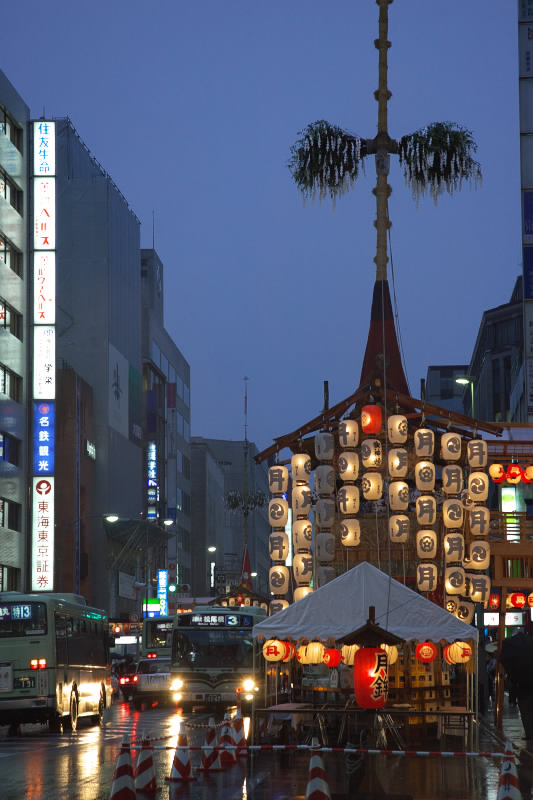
(43, 438)
(90, 449)
(44, 214)
(162, 591)
(42, 549)
(219, 620)
(44, 362)
(44, 148)
(44, 288)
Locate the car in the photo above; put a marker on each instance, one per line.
(122, 679)
(151, 682)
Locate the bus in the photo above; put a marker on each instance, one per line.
(156, 636)
(213, 662)
(54, 660)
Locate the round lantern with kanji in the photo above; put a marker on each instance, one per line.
(426, 652)
(371, 419)
(275, 650)
(371, 677)
(332, 657)
(518, 600)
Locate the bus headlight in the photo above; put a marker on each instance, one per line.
(176, 684)
(248, 685)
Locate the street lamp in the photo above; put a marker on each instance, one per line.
(464, 381)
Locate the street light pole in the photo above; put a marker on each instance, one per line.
(464, 382)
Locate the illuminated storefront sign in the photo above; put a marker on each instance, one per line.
(44, 288)
(162, 591)
(44, 362)
(43, 438)
(44, 215)
(152, 492)
(42, 556)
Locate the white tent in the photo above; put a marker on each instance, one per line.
(341, 607)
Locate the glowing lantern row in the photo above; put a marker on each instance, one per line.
(513, 474)
(371, 678)
(278, 543)
(311, 653)
(457, 653)
(426, 652)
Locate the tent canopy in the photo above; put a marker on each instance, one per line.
(341, 607)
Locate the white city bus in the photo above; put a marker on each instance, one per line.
(212, 659)
(54, 660)
(156, 636)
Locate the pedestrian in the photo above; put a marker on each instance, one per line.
(491, 675)
(516, 657)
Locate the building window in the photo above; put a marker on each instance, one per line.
(186, 431)
(10, 384)
(186, 504)
(10, 192)
(9, 449)
(10, 319)
(10, 515)
(186, 395)
(179, 499)
(11, 257)
(186, 468)
(9, 128)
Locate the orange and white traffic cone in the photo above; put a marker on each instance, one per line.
(210, 756)
(317, 784)
(509, 783)
(239, 738)
(181, 765)
(123, 787)
(227, 756)
(144, 774)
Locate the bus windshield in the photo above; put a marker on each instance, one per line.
(158, 633)
(206, 648)
(22, 619)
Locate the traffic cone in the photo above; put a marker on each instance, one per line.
(509, 783)
(239, 739)
(227, 756)
(317, 785)
(211, 756)
(123, 787)
(181, 766)
(144, 774)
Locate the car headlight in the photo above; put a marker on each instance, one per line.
(248, 685)
(176, 684)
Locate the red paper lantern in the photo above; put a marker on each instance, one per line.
(371, 677)
(446, 655)
(291, 650)
(426, 652)
(514, 473)
(371, 419)
(530, 599)
(332, 657)
(494, 601)
(518, 600)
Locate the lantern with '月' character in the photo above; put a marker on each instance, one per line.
(371, 677)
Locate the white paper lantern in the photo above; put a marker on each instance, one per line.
(324, 479)
(424, 441)
(348, 466)
(302, 535)
(325, 547)
(399, 528)
(277, 604)
(426, 543)
(425, 476)
(325, 575)
(479, 588)
(301, 500)
(315, 652)
(398, 462)
(452, 479)
(324, 446)
(278, 512)
(477, 453)
(302, 568)
(479, 517)
(301, 654)
(301, 592)
(460, 652)
(371, 453)
(465, 610)
(348, 652)
(350, 532)
(426, 510)
(301, 468)
(278, 579)
(278, 479)
(325, 512)
(274, 650)
(451, 603)
(278, 546)
(372, 485)
(478, 486)
(392, 653)
(452, 513)
(454, 547)
(479, 555)
(450, 446)
(426, 576)
(397, 429)
(348, 499)
(454, 580)
(398, 495)
(348, 433)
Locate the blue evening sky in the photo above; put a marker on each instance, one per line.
(192, 106)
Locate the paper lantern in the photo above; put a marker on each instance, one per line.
(278, 512)
(370, 677)
(454, 580)
(426, 543)
(426, 510)
(372, 485)
(278, 546)
(452, 479)
(301, 592)
(371, 453)
(392, 653)
(424, 440)
(397, 429)
(465, 611)
(398, 462)
(497, 473)
(348, 499)
(451, 604)
(315, 652)
(528, 473)
(517, 600)
(325, 512)
(460, 652)
(478, 486)
(350, 532)
(479, 554)
(454, 547)
(371, 419)
(324, 479)
(348, 466)
(348, 433)
(277, 604)
(399, 528)
(426, 576)
(324, 446)
(274, 650)
(301, 500)
(452, 513)
(425, 476)
(278, 579)
(301, 654)
(479, 588)
(302, 535)
(494, 601)
(479, 517)
(332, 657)
(325, 547)
(398, 495)
(450, 446)
(300, 468)
(426, 652)
(291, 651)
(529, 599)
(325, 574)
(348, 652)
(477, 453)
(514, 473)
(302, 568)
(278, 479)
(446, 655)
